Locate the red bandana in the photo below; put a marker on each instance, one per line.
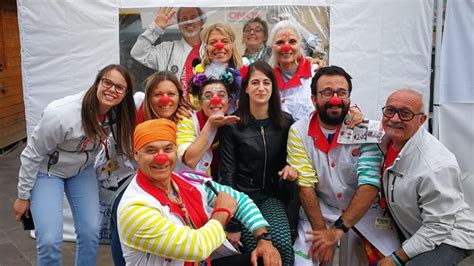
(303, 71)
(190, 196)
(319, 139)
(140, 115)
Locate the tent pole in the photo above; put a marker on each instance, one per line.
(437, 66)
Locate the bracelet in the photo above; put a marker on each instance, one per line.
(356, 106)
(396, 259)
(229, 215)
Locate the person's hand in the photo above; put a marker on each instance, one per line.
(183, 112)
(268, 252)
(21, 206)
(324, 241)
(387, 261)
(288, 173)
(218, 120)
(224, 200)
(164, 17)
(355, 117)
(233, 238)
(318, 61)
(325, 256)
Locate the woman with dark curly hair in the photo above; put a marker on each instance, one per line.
(197, 137)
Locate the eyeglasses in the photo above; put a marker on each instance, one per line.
(328, 93)
(403, 113)
(107, 83)
(256, 30)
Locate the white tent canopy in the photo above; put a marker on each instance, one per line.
(383, 44)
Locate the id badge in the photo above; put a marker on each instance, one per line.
(382, 223)
(109, 167)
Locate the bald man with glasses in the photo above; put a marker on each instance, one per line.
(422, 188)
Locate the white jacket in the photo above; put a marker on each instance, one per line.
(338, 181)
(58, 145)
(169, 56)
(424, 194)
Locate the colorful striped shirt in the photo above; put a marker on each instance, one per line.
(147, 226)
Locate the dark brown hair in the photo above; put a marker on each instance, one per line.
(274, 103)
(121, 116)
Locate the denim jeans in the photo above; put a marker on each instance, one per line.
(47, 197)
(442, 255)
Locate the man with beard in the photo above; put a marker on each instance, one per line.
(176, 56)
(333, 194)
(422, 185)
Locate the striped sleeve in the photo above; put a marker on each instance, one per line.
(298, 158)
(185, 136)
(145, 229)
(247, 212)
(369, 165)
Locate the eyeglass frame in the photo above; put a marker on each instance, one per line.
(335, 92)
(115, 86)
(255, 30)
(397, 111)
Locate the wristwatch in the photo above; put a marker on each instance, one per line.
(264, 236)
(339, 224)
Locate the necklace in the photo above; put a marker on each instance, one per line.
(175, 198)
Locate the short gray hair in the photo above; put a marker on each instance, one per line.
(416, 92)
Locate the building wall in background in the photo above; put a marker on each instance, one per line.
(12, 110)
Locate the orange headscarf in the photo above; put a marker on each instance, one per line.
(152, 130)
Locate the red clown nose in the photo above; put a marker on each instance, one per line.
(219, 45)
(164, 99)
(335, 101)
(286, 48)
(161, 158)
(216, 100)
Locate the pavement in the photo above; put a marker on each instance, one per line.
(16, 246)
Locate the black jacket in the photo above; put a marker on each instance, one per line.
(252, 156)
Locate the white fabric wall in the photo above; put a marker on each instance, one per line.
(456, 96)
(383, 44)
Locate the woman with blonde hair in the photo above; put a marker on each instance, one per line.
(220, 59)
(219, 42)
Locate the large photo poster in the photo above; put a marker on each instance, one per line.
(167, 38)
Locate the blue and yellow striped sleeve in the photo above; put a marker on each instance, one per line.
(144, 228)
(247, 212)
(369, 165)
(298, 158)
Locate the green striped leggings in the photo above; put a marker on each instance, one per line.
(273, 210)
